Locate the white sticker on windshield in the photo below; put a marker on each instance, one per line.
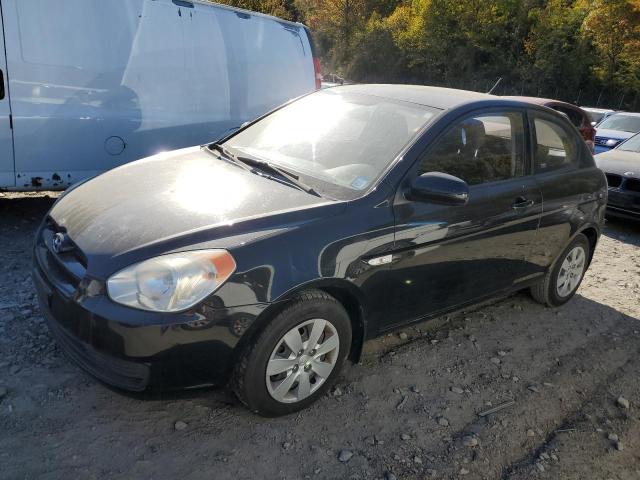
(360, 182)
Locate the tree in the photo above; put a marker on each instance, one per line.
(560, 56)
(377, 57)
(614, 28)
(338, 21)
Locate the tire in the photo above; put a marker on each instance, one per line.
(557, 288)
(307, 314)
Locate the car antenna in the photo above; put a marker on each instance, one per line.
(495, 85)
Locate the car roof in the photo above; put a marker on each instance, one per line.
(536, 100)
(208, 3)
(597, 110)
(544, 101)
(436, 97)
(626, 114)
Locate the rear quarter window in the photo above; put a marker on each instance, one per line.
(555, 146)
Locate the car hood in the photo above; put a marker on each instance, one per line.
(618, 134)
(174, 199)
(619, 162)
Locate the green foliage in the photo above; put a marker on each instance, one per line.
(575, 50)
(614, 28)
(378, 57)
(559, 56)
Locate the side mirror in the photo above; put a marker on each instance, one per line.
(440, 188)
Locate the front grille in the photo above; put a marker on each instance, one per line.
(614, 180)
(632, 184)
(51, 228)
(66, 269)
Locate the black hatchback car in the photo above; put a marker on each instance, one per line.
(267, 259)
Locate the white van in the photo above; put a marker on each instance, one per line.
(91, 84)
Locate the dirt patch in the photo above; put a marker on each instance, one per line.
(410, 410)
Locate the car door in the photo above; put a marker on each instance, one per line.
(7, 178)
(447, 256)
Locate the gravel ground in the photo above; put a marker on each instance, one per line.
(567, 380)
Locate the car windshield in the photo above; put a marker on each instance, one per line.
(341, 142)
(631, 145)
(625, 123)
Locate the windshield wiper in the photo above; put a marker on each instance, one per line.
(291, 177)
(253, 165)
(224, 153)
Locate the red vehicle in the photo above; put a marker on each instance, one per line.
(576, 115)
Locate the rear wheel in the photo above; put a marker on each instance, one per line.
(297, 356)
(562, 281)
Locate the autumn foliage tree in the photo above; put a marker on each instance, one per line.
(614, 28)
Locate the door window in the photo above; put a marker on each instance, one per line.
(555, 146)
(480, 149)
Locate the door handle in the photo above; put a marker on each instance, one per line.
(1, 85)
(521, 203)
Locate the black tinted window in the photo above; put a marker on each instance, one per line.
(556, 147)
(480, 149)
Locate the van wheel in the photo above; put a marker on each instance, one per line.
(561, 282)
(296, 358)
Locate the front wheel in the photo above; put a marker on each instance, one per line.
(296, 358)
(562, 281)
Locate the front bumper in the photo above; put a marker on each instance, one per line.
(623, 203)
(623, 213)
(135, 350)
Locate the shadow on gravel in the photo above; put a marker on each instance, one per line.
(24, 207)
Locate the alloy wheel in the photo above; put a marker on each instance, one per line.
(302, 360)
(571, 271)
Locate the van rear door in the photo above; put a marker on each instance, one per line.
(273, 61)
(7, 178)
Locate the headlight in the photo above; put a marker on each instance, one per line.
(612, 142)
(171, 283)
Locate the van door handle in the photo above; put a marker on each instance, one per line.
(521, 203)
(1, 85)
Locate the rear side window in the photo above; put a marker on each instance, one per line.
(555, 147)
(480, 149)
